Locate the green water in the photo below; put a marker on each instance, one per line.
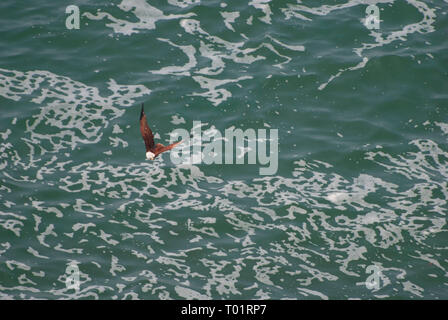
(362, 164)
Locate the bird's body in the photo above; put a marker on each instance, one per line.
(152, 149)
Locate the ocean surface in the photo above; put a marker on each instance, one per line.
(357, 208)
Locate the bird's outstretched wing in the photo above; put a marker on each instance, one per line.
(147, 135)
(161, 148)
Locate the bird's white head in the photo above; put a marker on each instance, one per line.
(150, 155)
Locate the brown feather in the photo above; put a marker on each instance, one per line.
(161, 148)
(146, 132)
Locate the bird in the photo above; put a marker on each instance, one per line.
(152, 150)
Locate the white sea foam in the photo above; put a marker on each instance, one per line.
(323, 227)
(183, 3)
(425, 25)
(229, 18)
(263, 5)
(146, 14)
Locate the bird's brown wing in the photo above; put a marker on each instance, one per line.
(147, 135)
(161, 148)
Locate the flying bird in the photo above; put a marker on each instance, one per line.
(152, 150)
